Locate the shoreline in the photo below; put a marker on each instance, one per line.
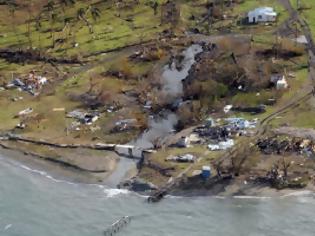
(57, 171)
(233, 190)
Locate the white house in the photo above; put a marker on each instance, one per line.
(262, 14)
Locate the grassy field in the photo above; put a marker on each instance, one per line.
(114, 28)
(307, 11)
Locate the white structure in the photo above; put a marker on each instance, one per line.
(262, 14)
(282, 84)
(276, 77)
(280, 81)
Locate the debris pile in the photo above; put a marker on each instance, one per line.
(27, 111)
(86, 118)
(32, 84)
(145, 54)
(125, 125)
(182, 158)
(278, 146)
(219, 135)
(223, 145)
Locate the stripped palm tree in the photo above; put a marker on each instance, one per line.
(66, 3)
(50, 8)
(81, 15)
(12, 9)
(95, 12)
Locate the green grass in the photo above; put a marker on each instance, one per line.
(110, 31)
(307, 12)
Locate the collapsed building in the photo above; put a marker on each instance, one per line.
(32, 83)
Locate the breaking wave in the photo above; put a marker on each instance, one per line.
(303, 193)
(251, 197)
(110, 193)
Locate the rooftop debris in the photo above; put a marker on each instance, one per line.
(182, 158)
(84, 117)
(25, 112)
(213, 133)
(223, 145)
(32, 84)
(241, 123)
(227, 108)
(301, 39)
(183, 142)
(220, 136)
(125, 125)
(20, 125)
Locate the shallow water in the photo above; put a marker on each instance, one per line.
(34, 204)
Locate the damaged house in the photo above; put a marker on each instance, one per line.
(279, 81)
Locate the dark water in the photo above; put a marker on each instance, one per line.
(35, 204)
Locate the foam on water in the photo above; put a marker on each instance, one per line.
(251, 197)
(8, 226)
(115, 192)
(304, 193)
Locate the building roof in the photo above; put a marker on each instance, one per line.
(263, 10)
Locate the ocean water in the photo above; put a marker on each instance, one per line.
(33, 203)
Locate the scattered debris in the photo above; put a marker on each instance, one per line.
(227, 108)
(241, 123)
(209, 122)
(15, 99)
(25, 112)
(84, 117)
(276, 145)
(124, 125)
(223, 145)
(59, 109)
(301, 39)
(148, 105)
(182, 158)
(20, 125)
(32, 84)
(213, 133)
(183, 142)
